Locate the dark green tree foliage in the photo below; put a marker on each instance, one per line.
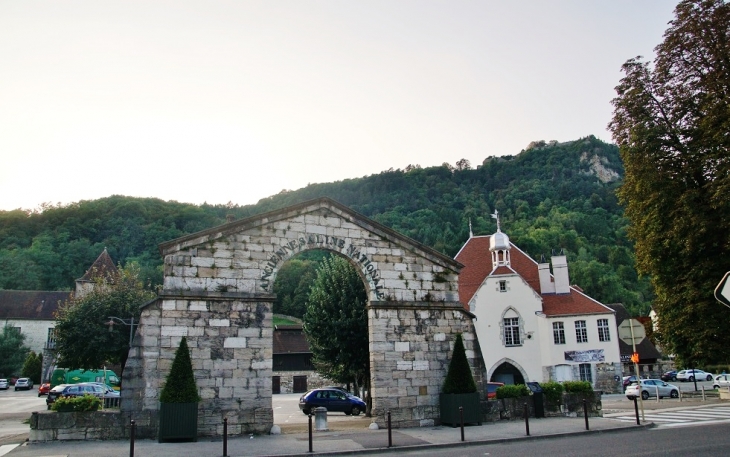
(549, 197)
(336, 324)
(180, 385)
(292, 285)
(33, 366)
(12, 351)
(459, 379)
(83, 338)
(671, 123)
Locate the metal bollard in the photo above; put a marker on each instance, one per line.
(527, 420)
(703, 393)
(225, 437)
(131, 437)
(657, 394)
(585, 412)
(390, 436)
(310, 432)
(636, 408)
(461, 417)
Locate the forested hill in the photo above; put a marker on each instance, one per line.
(550, 196)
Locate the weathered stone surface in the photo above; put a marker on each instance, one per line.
(217, 293)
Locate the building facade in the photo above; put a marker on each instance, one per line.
(531, 324)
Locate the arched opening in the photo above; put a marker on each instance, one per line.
(508, 374)
(320, 325)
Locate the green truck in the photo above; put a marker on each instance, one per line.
(66, 376)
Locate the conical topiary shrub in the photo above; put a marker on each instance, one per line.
(459, 390)
(179, 400)
(459, 379)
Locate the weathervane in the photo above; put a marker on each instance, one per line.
(496, 216)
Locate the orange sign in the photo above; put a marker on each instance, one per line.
(635, 357)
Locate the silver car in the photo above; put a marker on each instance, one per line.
(4, 384)
(23, 383)
(652, 388)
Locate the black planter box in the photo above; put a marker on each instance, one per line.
(450, 404)
(178, 422)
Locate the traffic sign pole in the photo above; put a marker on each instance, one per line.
(638, 376)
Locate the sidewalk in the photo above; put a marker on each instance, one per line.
(330, 443)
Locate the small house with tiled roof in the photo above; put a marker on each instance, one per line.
(531, 324)
(103, 267)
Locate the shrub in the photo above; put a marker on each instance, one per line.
(85, 403)
(459, 379)
(513, 391)
(180, 386)
(574, 387)
(553, 391)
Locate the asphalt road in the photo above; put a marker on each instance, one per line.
(15, 409)
(708, 440)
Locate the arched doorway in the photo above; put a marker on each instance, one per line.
(217, 293)
(507, 372)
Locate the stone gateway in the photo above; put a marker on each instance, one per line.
(217, 293)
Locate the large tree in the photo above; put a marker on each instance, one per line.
(672, 123)
(336, 323)
(84, 340)
(12, 351)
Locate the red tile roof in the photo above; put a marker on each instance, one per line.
(477, 261)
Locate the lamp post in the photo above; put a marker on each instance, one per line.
(129, 321)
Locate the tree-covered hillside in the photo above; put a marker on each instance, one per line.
(550, 196)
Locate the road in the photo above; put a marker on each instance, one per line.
(710, 440)
(15, 409)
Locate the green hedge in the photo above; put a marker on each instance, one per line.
(574, 387)
(553, 391)
(513, 391)
(85, 403)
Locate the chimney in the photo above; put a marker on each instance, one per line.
(546, 283)
(560, 272)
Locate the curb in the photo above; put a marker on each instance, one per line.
(422, 447)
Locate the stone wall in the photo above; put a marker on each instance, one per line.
(410, 350)
(229, 336)
(217, 293)
(90, 425)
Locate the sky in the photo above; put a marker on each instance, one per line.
(234, 101)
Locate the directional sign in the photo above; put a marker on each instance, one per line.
(722, 291)
(624, 331)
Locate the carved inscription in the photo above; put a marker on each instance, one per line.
(287, 250)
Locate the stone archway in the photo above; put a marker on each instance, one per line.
(507, 368)
(217, 293)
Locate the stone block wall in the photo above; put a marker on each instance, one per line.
(410, 350)
(229, 336)
(89, 425)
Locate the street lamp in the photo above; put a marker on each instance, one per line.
(129, 322)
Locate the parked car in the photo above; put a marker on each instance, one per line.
(44, 388)
(628, 380)
(492, 389)
(691, 375)
(78, 390)
(669, 376)
(721, 380)
(650, 388)
(23, 384)
(4, 384)
(333, 400)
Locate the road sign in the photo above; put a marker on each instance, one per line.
(722, 291)
(624, 331)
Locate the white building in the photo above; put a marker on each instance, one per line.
(532, 325)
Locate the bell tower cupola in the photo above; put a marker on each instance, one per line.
(499, 245)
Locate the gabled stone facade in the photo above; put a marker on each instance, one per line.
(217, 293)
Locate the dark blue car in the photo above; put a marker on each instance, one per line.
(333, 400)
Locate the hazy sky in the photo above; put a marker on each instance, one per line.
(223, 101)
